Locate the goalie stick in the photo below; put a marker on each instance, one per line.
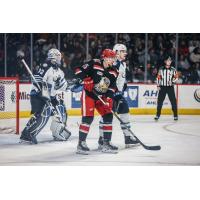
(155, 148)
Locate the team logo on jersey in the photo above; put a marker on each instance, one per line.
(103, 85)
(56, 78)
(197, 95)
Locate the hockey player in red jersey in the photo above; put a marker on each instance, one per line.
(120, 102)
(99, 77)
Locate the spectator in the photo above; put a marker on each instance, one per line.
(73, 48)
(195, 55)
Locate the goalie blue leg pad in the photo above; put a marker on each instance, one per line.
(37, 122)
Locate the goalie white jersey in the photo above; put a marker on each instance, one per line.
(52, 78)
(121, 79)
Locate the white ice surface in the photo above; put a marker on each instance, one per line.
(180, 144)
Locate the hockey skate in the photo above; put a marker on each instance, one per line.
(175, 118)
(130, 142)
(156, 118)
(82, 148)
(26, 137)
(100, 143)
(108, 147)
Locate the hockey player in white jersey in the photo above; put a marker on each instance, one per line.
(44, 102)
(120, 103)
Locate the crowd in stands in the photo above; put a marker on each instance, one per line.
(74, 50)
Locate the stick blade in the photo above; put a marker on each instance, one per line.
(153, 148)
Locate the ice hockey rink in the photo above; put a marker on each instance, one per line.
(180, 144)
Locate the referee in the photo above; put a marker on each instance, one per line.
(166, 78)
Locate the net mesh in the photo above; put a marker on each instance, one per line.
(8, 106)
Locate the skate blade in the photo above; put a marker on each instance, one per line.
(131, 145)
(100, 147)
(59, 140)
(82, 152)
(109, 151)
(24, 142)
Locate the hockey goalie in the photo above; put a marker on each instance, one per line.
(48, 80)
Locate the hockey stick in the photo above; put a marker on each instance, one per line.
(157, 147)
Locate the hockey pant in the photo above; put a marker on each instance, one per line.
(164, 90)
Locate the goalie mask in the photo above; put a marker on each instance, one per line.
(54, 57)
(103, 85)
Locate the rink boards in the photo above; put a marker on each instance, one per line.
(142, 99)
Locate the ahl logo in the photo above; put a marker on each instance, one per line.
(151, 93)
(197, 95)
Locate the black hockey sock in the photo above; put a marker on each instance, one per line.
(107, 136)
(82, 136)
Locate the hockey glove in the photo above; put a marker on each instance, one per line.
(88, 84)
(109, 103)
(118, 96)
(54, 101)
(76, 85)
(77, 88)
(107, 106)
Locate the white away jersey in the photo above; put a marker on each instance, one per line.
(53, 78)
(121, 79)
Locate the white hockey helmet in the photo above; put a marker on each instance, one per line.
(119, 47)
(54, 56)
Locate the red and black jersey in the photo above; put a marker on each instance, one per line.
(96, 71)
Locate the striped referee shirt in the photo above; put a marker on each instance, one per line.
(167, 76)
